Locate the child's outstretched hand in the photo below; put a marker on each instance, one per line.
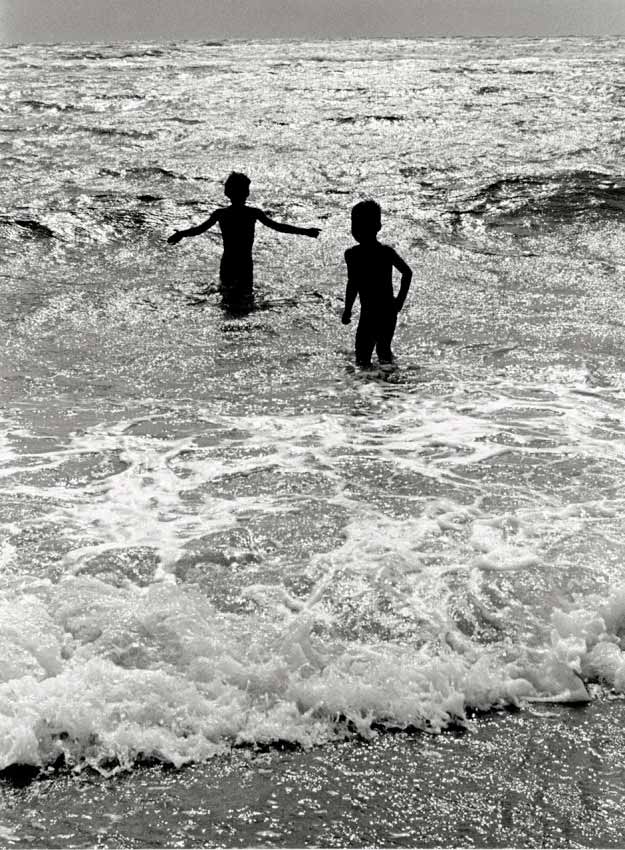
(346, 317)
(175, 238)
(313, 231)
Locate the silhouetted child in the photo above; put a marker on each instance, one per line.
(370, 267)
(237, 223)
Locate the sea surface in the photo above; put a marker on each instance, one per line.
(218, 538)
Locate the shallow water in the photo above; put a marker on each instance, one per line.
(214, 532)
(543, 778)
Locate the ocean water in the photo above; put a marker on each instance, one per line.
(214, 533)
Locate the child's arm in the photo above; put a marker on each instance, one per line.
(406, 277)
(194, 231)
(351, 292)
(287, 228)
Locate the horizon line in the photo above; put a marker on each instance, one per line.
(217, 40)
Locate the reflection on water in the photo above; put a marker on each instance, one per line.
(214, 531)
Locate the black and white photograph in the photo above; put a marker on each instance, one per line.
(312, 424)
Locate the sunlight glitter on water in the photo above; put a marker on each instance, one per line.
(214, 531)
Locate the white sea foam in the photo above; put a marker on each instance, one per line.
(162, 674)
(103, 676)
(410, 621)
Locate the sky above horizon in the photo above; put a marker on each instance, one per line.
(118, 20)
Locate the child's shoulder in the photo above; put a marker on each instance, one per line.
(389, 253)
(238, 214)
(368, 251)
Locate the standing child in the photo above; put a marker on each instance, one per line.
(237, 222)
(370, 276)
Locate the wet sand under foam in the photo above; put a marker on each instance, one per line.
(547, 777)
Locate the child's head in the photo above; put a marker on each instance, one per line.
(237, 186)
(366, 220)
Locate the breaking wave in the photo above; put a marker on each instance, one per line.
(548, 199)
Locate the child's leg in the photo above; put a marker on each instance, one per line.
(365, 341)
(387, 323)
(237, 287)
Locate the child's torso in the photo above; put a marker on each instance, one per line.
(237, 225)
(371, 268)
